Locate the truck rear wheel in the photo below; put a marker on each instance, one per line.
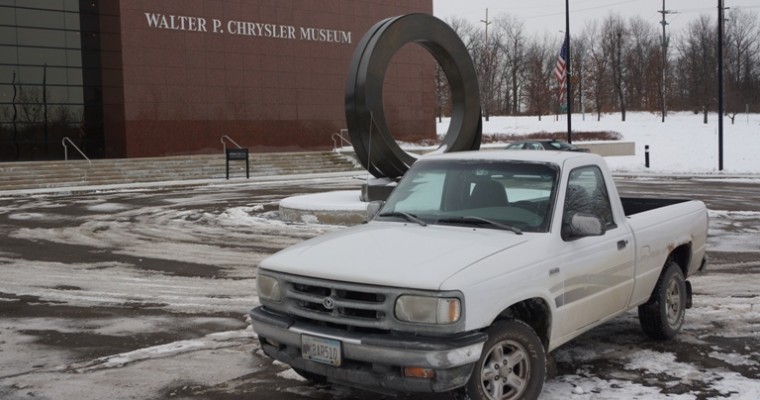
(662, 316)
(511, 367)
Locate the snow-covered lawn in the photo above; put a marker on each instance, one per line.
(682, 144)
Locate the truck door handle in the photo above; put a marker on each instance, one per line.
(621, 244)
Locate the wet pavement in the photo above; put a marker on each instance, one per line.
(143, 293)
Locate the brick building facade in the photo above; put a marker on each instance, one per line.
(167, 77)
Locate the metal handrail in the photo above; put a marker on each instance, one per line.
(338, 137)
(224, 145)
(66, 150)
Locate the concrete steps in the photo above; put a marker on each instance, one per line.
(54, 174)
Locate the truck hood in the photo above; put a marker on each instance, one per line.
(393, 254)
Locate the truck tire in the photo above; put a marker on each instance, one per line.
(662, 316)
(511, 367)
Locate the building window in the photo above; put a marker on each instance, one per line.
(42, 84)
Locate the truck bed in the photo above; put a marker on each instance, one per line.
(635, 205)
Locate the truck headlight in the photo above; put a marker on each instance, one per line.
(428, 310)
(268, 288)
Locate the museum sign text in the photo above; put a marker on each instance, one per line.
(245, 28)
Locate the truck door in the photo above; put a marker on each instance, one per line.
(598, 270)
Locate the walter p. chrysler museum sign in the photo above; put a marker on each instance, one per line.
(245, 28)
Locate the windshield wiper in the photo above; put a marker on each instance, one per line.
(406, 216)
(479, 221)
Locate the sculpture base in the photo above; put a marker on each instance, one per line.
(377, 189)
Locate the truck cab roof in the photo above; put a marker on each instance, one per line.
(554, 157)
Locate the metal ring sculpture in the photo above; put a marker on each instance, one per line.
(370, 136)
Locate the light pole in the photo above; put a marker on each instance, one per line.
(664, 60)
(720, 85)
(487, 71)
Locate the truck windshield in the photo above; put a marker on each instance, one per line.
(508, 193)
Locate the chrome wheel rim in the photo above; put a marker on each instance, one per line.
(505, 371)
(673, 302)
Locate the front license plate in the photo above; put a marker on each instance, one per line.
(321, 350)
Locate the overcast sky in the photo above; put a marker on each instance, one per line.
(549, 15)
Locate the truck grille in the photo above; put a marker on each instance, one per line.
(336, 302)
(347, 303)
(350, 306)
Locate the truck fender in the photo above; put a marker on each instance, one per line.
(536, 312)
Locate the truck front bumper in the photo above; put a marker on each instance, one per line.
(373, 361)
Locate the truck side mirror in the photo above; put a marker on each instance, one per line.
(373, 207)
(583, 225)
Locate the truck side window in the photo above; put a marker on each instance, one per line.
(587, 193)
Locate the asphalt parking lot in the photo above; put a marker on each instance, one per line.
(142, 294)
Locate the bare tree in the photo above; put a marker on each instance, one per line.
(641, 55)
(466, 31)
(742, 60)
(580, 50)
(468, 34)
(30, 104)
(618, 63)
(613, 34)
(696, 72)
(486, 57)
(442, 92)
(596, 71)
(513, 46)
(539, 62)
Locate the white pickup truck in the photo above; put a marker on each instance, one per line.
(477, 266)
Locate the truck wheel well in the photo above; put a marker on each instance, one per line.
(682, 256)
(534, 312)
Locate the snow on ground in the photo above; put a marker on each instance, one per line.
(343, 200)
(210, 341)
(232, 232)
(734, 231)
(682, 144)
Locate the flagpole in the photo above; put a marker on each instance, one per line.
(569, 65)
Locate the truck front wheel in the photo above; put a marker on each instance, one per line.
(662, 316)
(511, 367)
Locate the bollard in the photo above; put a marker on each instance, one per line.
(646, 156)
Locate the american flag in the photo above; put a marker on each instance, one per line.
(560, 70)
